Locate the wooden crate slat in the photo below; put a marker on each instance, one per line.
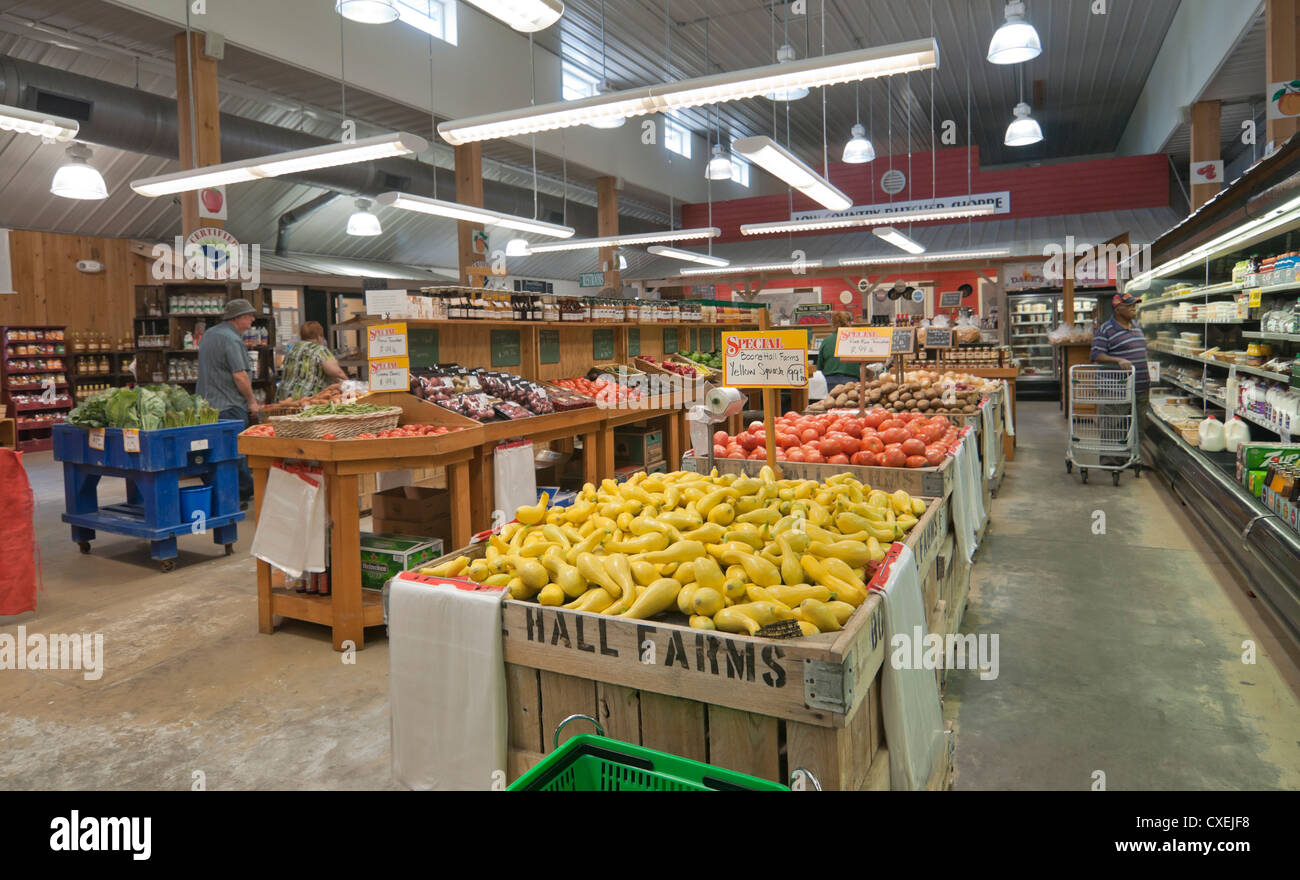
(674, 725)
(562, 696)
(745, 742)
(619, 712)
(523, 708)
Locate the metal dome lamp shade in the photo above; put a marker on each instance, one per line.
(77, 179)
(367, 11)
(1023, 130)
(859, 150)
(787, 93)
(363, 222)
(719, 167)
(1016, 40)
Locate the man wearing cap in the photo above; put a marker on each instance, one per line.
(1120, 341)
(223, 374)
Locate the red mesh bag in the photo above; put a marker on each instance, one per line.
(17, 537)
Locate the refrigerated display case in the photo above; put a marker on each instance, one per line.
(1034, 314)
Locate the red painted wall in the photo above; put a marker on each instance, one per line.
(832, 287)
(1124, 183)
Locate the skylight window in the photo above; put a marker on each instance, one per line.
(436, 17)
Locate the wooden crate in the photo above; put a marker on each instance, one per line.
(759, 706)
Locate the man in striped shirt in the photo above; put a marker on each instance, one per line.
(1120, 341)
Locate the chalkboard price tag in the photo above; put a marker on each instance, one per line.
(902, 341)
(670, 342)
(633, 341)
(549, 341)
(950, 299)
(602, 345)
(505, 348)
(423, 345)
(938, 337)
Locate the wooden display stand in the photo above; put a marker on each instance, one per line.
(9, 433)
(1009, 374)
(1068, 356)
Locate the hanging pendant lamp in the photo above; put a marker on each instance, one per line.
(1016, 40)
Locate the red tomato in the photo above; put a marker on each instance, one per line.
(758, 454)
(736, 453)
(854, 428)
(934, 456)
(780, 454)
(749, 441)
(719, 451)
(890, 436)
(838, 459)
(865, 458)
(755, 427)
(812, 456)
(721, 437)
(795, 454)
(808, 435)
(913, 447)
(915, 461)
(873, 444)
(829, 446)
(785, 441)
(849, 444)
(891, 422)
(894, 458)
(791, 415)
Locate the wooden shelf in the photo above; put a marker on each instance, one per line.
(361, 323)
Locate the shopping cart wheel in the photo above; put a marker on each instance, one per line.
(1083, 472)
(1115, 477)
(83, 546)
(1137, 471)
(1069, 466)
(167, 564)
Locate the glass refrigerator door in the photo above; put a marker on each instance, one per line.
(1033, 316)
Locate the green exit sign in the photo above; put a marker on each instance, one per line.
(591, 279)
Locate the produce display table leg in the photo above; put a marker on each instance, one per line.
(592, 449)
(606, 453)
(673, 440)
(345, 561)
(265, 618)
(481, 501)
(459, 487)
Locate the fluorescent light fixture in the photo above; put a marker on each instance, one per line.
(1243, 236)
(785, 55)
(576, 244)
(689, 256)
(471, 214)
(759, 267)
(523, 15)
(41, 125)
(1016, 41)
(762, 150)
(989, 254)
(381, 146)
(518, 247)
(362, 222)
(77, 178)
(898, 239)
(367, 11)
(859, 149)
(919, 215)
(1023, 130)
(717, 88)
(607, 121)
(719, 167)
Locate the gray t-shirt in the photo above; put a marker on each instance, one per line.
(222, 354)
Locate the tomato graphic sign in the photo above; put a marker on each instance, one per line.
(212, 202)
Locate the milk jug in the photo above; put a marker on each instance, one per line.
(1210, 435)
(1235, 433)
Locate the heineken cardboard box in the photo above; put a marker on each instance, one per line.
(383, 556)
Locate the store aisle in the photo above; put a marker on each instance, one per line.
(1119, 652)
(188, 683)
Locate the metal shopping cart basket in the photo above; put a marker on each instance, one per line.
(1103, 421)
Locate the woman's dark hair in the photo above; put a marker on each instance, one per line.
(311, 330)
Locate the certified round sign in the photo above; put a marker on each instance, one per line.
(880, 295)
(893, 181)
(846, 297)
(863, 285)
(918, 295)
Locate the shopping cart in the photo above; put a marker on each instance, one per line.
(1103, 421)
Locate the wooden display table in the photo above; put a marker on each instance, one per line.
(1009, 374)
(348, 609)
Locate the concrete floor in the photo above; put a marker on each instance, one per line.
(1119, 653)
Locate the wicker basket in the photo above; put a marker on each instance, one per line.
(344, 427)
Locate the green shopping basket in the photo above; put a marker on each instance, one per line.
(590, 762)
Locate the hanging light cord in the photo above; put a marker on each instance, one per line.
(532, 99)
(433, 116)
(189, 68)
(934, 147)
(602, 42)
(826, 160)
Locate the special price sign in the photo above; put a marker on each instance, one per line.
(390, 374)
(864, 343)
(386, 341)
(766, 359)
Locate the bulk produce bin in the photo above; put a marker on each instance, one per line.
(153, 508)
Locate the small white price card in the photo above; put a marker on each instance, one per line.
(97, 439)
(390, 374)
(863, 343)
(386, 341)
(131, 439)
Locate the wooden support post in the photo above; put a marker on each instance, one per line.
(1281, 59)
(469, 191)
(607, 224)
(204, 140)
(1205, 147)
(345, 561)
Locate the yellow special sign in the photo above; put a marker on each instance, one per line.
(386, 341)
(767, 359)
(863, 343)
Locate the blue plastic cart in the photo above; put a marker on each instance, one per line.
(153, 509)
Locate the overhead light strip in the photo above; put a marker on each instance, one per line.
(761, 267)
(41, 125)
(716, 88)
(471, 214)
(382, 146)
(527, 16)
(689, 256)
(898, 239)
(991, 253)
(777, 160)
(624, 240)
(919, 215)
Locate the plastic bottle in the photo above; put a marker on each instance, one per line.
(1210, 435)
(1235, 433)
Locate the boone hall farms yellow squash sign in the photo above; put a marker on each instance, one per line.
(767, 359)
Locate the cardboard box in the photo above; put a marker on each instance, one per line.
(439, 528)
(655, 467)
(1254, 456)
(385, 555)
(638, 445)
(411, 503)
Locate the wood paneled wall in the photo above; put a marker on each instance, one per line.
(50, 290)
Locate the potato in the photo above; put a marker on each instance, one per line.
(923, 405)
(968, 409)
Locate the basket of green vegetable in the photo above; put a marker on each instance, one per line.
(344, 420)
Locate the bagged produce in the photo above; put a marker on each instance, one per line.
(17, 538)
